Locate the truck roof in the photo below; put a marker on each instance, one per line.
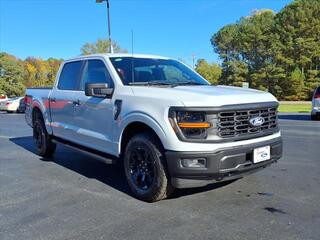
(109, 55)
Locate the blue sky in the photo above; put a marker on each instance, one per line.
(174, 28)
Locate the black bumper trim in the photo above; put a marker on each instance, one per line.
(222, 165)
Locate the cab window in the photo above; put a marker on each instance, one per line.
(95, 71)
(70, 75)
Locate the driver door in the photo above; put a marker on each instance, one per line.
(94, 115)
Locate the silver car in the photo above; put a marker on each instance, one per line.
(315, 111)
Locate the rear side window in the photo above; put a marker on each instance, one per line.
(69, 76)
(318, 90)
(95, 71)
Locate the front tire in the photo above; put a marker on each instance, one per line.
(313, 117)
(42, 140)
(146, 169)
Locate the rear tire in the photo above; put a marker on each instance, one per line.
(146, 169)
(43, 141)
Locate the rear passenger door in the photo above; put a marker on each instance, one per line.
(63, 99)
(93, 115)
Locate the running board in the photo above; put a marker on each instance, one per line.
(103, 157)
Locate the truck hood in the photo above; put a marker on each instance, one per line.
(205, 96)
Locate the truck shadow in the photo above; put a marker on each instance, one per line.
(111, 175)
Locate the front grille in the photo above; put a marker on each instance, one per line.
(236, 123)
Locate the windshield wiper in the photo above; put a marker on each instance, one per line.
(165, 82)
(149, 83)
(186, 83)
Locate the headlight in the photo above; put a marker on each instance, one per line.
(192, 125)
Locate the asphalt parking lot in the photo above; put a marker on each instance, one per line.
(75, 197)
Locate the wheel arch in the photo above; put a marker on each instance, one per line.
(135, 127)
(38, 113)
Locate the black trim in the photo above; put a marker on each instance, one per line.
(118, 108)
(216, 110)
(223, 164)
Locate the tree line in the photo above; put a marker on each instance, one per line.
(275, 52)
(279, 53)
(17, 74)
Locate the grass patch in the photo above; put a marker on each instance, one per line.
(300, 108)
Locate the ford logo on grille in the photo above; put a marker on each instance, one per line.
(256, 121)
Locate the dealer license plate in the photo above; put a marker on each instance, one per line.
(261, 154)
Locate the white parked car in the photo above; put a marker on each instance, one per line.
(10, 105)
(3, 98)
(315, 111)
(168, 125)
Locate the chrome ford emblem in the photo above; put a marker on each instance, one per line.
(256, 121)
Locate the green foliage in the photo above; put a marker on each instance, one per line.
(11, 75)
(100, 46)
(16, 75)
(234, 73)
(295, 86)
(295, 107)
(40, 72)
(271, 51)
(311, 82)
(210, 71)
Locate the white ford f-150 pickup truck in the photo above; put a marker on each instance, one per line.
(165, 123)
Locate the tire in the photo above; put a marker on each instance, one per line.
(9, 111)
(42, 140)
(313, 117)
(146, 169)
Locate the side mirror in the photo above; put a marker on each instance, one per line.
(98, 90)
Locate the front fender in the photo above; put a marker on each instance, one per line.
(143, 118)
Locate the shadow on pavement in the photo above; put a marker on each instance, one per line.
(111, 175)
(189, 191)
(297, 117)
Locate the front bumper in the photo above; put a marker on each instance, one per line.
(221, 165)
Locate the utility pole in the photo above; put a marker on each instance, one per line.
(193, 60)
(109, 26)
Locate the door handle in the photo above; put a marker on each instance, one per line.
(76, 102)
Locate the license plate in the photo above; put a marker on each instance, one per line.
(261, 154)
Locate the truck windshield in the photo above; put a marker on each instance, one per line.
(149, 71)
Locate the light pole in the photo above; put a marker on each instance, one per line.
(108, 16)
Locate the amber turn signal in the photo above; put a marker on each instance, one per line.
(194, 125)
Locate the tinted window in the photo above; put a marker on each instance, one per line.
(70, 75)
(167, 71)
(95, 71)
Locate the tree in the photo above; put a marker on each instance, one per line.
(298, 26)
(210, 71)
(54, 65)
(11, 75)
(100, 46)
(268, 49)
(294, 87)
(311, 82)
(38, 71)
